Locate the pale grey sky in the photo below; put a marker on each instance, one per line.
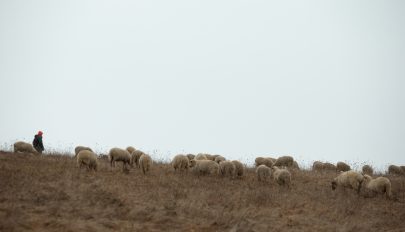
(320, 80)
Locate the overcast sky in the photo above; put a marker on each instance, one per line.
(319, 80)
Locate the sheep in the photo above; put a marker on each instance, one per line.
(266, 161)
(240, 169)
(135, 155)
(81, 148)
(219, 159)
(24, 147)
(145, 163)
(282, 176)
(190, 156)
(88, 159)
(367, 169)
(203, 167)
(378, 185)
(394, 170)
(348, 179)
(263, 172)
(328, 167)
(211, 157)
(286, 161)
(227, 168)
(201, 156)
(341, 166)
(317, 166)
(103, 157)
(118, 154)
(180, 162)
(130, 149)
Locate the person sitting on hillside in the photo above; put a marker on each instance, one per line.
(37, 142)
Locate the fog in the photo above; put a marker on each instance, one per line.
(318, 80)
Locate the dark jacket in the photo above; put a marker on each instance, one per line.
(37, 143)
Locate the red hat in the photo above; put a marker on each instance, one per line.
(40, 133)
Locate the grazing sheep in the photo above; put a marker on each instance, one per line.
(81, 148)
(378, 185)
(329, 167)
(348, 179)
(190, 156)
(219, 159)
(317, 166)
(394, 170)
(180, 162)
(24, 147)
(135, 155)
(286, 161)
(130, 149)
(201, 156)
(204, 167)
(240, 169)
(118, 154)
(263, 160)
(88, 159)
(211, 157)
(282, 176)
(103, 156)
(263, 172)
(145, 163)
(227, 168)
(367, 169)
(341, 166)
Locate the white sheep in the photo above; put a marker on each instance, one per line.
(394, 170)
(180, 162)
(342, 167)
(367, 169)
(204, 167)
(284, 161)
(348, 179)
(190, 156)
(219, 159)
(282, 176)
(145, 163)
(240, 169)
(201, 156)
(118, 154)
(328, 167)
(317, 166)
(130, 149)
(268, 161)
(24, 147)
(81, 148)
(263, 173)
(227, 168)
(88, 159)
(211, 157)
(135, 155)
(378, 185)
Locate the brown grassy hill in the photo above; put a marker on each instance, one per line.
(50, 193)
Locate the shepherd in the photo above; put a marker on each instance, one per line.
(37, 142)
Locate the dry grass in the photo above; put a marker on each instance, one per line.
(50, 194)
